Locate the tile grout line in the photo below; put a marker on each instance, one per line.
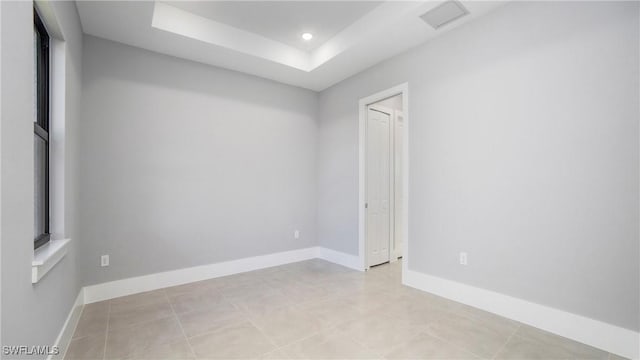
(336, 327)
(446, 341)
(424, 331)
(166, 295)
(207, 332)
(291, 343)
(378, 354)
(277, 347)
(392, 348)
(506, 342)
(474, 319)
(246, 318)
(106, 334)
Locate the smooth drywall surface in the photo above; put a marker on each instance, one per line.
(33, 314)
(523, 153)
(185, 164)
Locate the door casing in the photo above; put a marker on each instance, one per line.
(363, 105)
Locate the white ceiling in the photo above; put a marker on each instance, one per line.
(263, 38)
(283, 21)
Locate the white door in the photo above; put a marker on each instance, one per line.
(378, 229)
(399, 208)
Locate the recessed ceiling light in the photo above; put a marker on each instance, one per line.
(307, 36)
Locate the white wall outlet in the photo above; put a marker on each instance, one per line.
(296, 234)
(104, 260)
(463, 258)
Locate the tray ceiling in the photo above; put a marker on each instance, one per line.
(263, 38)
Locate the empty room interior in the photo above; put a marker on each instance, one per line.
(446, 179)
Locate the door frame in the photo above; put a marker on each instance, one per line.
(363, 104)
(392, 205)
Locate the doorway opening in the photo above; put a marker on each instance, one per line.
(383, 175)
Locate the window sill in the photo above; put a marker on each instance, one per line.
(46, 257)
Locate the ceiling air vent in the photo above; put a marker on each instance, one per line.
(444, 13)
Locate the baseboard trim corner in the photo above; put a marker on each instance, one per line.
(611, 338)
(69, 327)
(340, 258)
(134, 285)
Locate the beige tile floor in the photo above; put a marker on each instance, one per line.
(307, 310)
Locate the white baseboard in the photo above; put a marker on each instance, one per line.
(340, 258)
(592, 332)
(69, 327)
(114, 289)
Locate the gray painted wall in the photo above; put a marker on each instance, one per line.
(523, 153)
(34, 314)
(185, 164)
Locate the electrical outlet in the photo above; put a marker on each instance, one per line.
(296, 234)
(104, 260)
(463, 258)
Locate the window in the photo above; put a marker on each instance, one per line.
(41, 132)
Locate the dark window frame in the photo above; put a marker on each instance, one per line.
(41, 123)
